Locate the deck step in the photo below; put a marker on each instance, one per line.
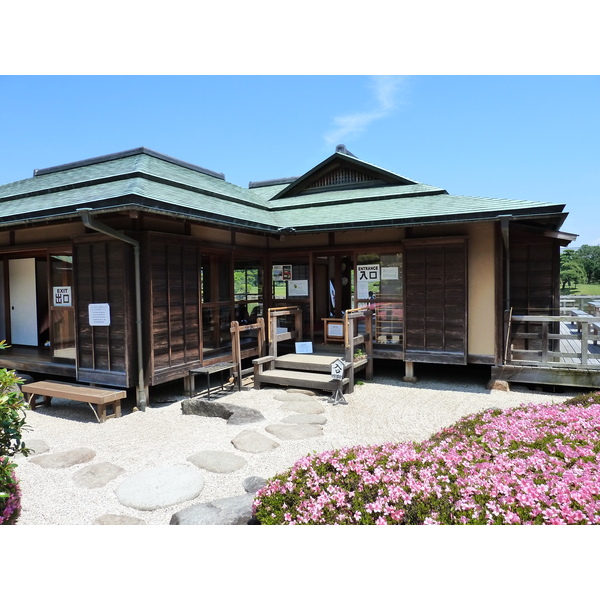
(288, 377)
(316, 363)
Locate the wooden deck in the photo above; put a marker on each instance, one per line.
(558, 350)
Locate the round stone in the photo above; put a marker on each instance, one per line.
(160, 487)
(217, 462)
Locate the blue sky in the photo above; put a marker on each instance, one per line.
(521, 137)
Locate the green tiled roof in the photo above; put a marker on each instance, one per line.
(146, 180)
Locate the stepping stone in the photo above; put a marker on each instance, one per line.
(253, 484)
(312, 419)
(37, 447)
(62, 460)
(118, 520)
(295, 432)
(96, 476)
(252, 441)
(299, 391)
(293, 397)
(160, 487)
(236, 510)
(305, 407)
(217, 462)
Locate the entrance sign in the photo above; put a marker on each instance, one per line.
(368, 273)
(62, 296)
(335, 330)
(99, 315)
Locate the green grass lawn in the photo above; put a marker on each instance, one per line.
(582, 289)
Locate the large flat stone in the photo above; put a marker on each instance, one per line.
(217, 462)
(243, 414)
(254, 442)
(62, 460)
(300, 418)
(160, 487)
(236, 510)
(294, 431)
(254, 483)
(96, 476)
(287, 396)
(118, 520)
(309, 407)
(233, 414)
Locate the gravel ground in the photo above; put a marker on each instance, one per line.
(385, 410)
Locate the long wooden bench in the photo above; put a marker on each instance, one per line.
(101, 397)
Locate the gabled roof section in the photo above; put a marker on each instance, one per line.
(342, 171)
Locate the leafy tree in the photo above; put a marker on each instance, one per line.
(589, 258)
(571, 270)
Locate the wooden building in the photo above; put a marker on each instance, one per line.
(127, 270)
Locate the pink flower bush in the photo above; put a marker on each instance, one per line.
(536, 464)
(10, 493)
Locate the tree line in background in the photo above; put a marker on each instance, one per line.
(580, 266)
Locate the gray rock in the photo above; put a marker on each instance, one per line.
(62, 460)
(233, 414)
(160, 487)
(236, 510)
(217, 462)
(253, 484)
(118, 520)
(313, 419)
(294, 431)
(204, 408)
(499, 384)
(243, 414)
(252, 441)
(96, 476)
(304, 407)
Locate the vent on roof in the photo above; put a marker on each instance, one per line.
(342, 176)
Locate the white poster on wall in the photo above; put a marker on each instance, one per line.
(99, 315)
(389, 273)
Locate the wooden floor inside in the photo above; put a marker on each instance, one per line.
(32, 359)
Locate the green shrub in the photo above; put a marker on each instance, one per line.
(12, 423)
(585, 400)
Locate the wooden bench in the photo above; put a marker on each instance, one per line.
(595, 327)
(101, 397)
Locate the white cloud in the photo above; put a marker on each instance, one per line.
(386, 90)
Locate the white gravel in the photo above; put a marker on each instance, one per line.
(385, 410)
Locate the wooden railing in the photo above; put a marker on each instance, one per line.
(548, 341)
(255, 348)
(274, 314)
(578, 302)
(353, 341)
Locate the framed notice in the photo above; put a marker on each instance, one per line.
(304, 347)
(99, 315)
(298, 287)
(389, 272)
(282, 272)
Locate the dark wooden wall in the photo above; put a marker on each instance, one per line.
(172, 306)
(103, 273)
(534, 274)
(435, 307)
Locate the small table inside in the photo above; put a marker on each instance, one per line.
(208, 371)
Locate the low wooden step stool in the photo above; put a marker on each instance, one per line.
(101, 397)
